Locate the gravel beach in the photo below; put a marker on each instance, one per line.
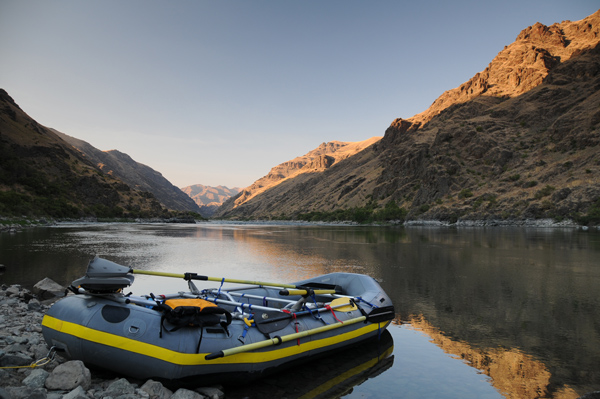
(52, 377)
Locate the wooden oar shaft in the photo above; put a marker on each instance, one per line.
(207, 278)
(280, 340)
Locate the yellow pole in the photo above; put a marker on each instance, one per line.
(280, 340)
(206, 278)
(305, 292)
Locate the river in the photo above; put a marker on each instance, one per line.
(481, 312)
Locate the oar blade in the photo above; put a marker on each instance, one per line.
(343, 305)
(271, 321)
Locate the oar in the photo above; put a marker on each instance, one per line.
(377, 315)
(279, 340)
(305, 292)
(194, 276)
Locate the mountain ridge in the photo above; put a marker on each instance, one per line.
(208, 198)
(42, 175)
(500, 146)
(134, 174)
(317, 160)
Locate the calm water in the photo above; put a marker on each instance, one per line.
(481, 313)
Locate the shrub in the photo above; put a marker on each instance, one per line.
(465, 193)
(592, 217)
(544, 192)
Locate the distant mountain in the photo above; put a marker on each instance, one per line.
(314, 162)
(519, 140)
(209, 198)
(134, 174)
(42, 175)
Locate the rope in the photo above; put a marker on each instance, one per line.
(38, 363)
(296, 324)
(328, 307)
(370, 304)
(221, 286)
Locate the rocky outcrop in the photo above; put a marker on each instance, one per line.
(523, 64)
(517, 141)
(208, 198)
(136, 175)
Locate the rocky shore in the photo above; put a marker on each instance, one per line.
(22, 344)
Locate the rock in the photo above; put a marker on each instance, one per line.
(156, 390)
(183, 393)
(77, 393)
(26, 393)
(16, 359)
(37, 378)
(34, 305)
(13, 290)
(48, 289)
(211, 392)
(16, 340)
(69, 375)
(119, 388)
(4, 394)
(139, 394)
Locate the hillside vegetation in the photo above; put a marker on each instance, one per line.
(43, 176)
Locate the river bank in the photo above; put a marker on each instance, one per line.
(14, 225)
(22, 344)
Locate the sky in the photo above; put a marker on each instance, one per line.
(218, 92)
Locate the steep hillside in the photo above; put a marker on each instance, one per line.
(42, 175)
(136, 175)
(209, 199)
(314, 162)
(523, 64)
(519, 140)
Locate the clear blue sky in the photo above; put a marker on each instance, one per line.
(218, 92)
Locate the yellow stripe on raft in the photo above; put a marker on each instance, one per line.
(192, 359)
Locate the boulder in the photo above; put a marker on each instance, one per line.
(26, 393)
(77, 393)
(13, 290)
(48, 289)
(15, 359)
(119, 387)
(156, 390)
(211, 392)
(69, 376)
(37, 378)
(183, 393)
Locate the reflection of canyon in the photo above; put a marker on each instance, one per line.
(514, 374)
(533, 290)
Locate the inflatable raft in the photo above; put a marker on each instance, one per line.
(215, 334)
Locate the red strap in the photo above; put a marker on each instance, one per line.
(333, 313)
(296, 323)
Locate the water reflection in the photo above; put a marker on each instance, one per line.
(520, 301)
(513, 373)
